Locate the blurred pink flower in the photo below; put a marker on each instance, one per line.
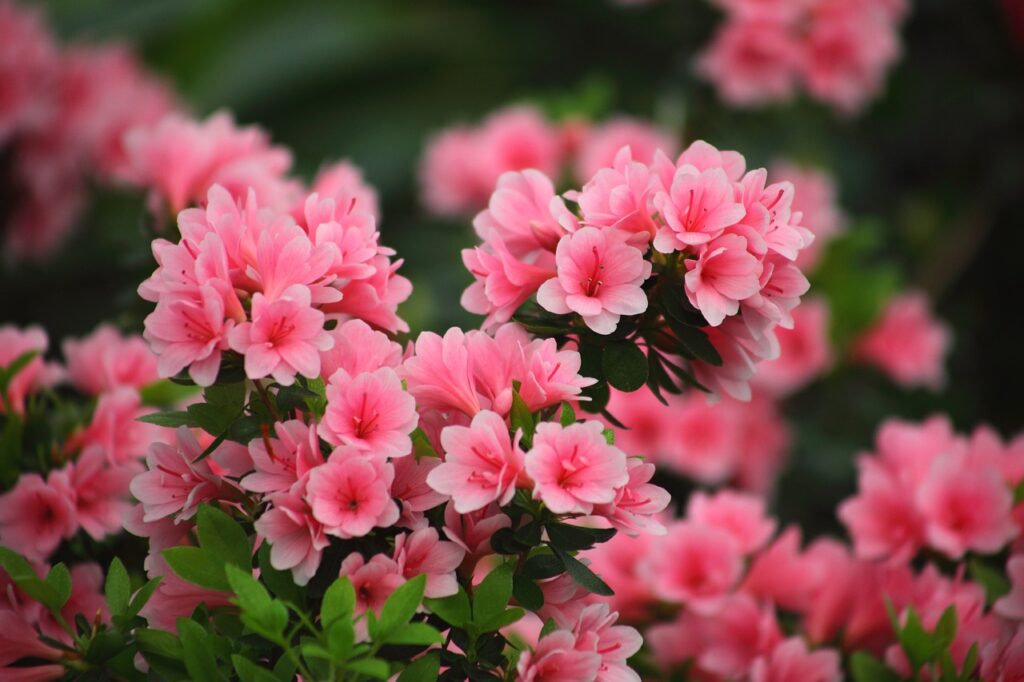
(815, 198)
(696, 565)
(790, 661)
(601, 144)
(738, 515)
(34, 376)
(35, 516)
(907, 343)
(804, 351)
(752, 61)
(105, 359)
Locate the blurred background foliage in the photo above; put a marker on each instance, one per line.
(931, 173)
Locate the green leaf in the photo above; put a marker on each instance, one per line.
(222, 537)
(142, 596)
(294, 397)
(527, 593)
(228, 396)
(583, 576)
(118, 588)
(339, 601)
(419, 634)
(503, 619)
(260, 613)
(165, 392)
(244, 429)
(571, 538)
(542, 566)
(695, 343)
(172, 419)
(24, 576)
(917, 643)
(8, 372)
(198, 652)
(674, 302)
(866, 668)
(249, 671)
(423, 669)
(213, 419)
(521, 418)
(374, 667)
(970, 661)
(598, 396)
(995, 583)
(568, 415)
(197, 566)
(945, 629)
(160, 643)
(341, 635)
(453, 610)
(401, 605)
(421, 445)
(59, 580)
(492, 594)
(625, 365)
(280, 583)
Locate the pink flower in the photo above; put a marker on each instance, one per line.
(882, 519)
(358, 348)
(284, 339)
(804, 352)
(740, 516)
(20, 640)
(601, 144)
(966, 509)
(376, 298)
(725, 274)
(370, 412)
(524, 213)
(351, 494)
(1002, 660)
(191, 333)
(596, 631)
(781, 574)
(343, 181)
(696, 565)
(461, 165)
(34, 376)
(115, 428)
(296, 538)
(105, 360)
(35, 516)
(556, 659)
(637, 504)
(735, 636)
(619, 562)
(551, 375)
(846, 52)
(599, 277)
(374, 581)
(1011, 606)
(473, 531)
(697, 206)
(99, 490)
(440, 373)
(280, 462)
(412, 492)
(574, 468)
(815, 199)
(907, 343)
(503, 281)
(180, 159)
(175, 597)
(790, 661)
(422, 552)
(620, 196)
(481, 463)
(177, 481)
(752, 62)
(28, 61)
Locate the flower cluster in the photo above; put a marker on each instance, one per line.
(62, 118)
(85, 486)
(753, 604)
(925, 486)
(462, 164)
(260, 283)
(837, 51)
(694, 257)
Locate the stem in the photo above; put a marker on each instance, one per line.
(265, 398)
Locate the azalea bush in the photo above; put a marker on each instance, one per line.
(264, 467)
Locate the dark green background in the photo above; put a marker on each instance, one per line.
(932, 172)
